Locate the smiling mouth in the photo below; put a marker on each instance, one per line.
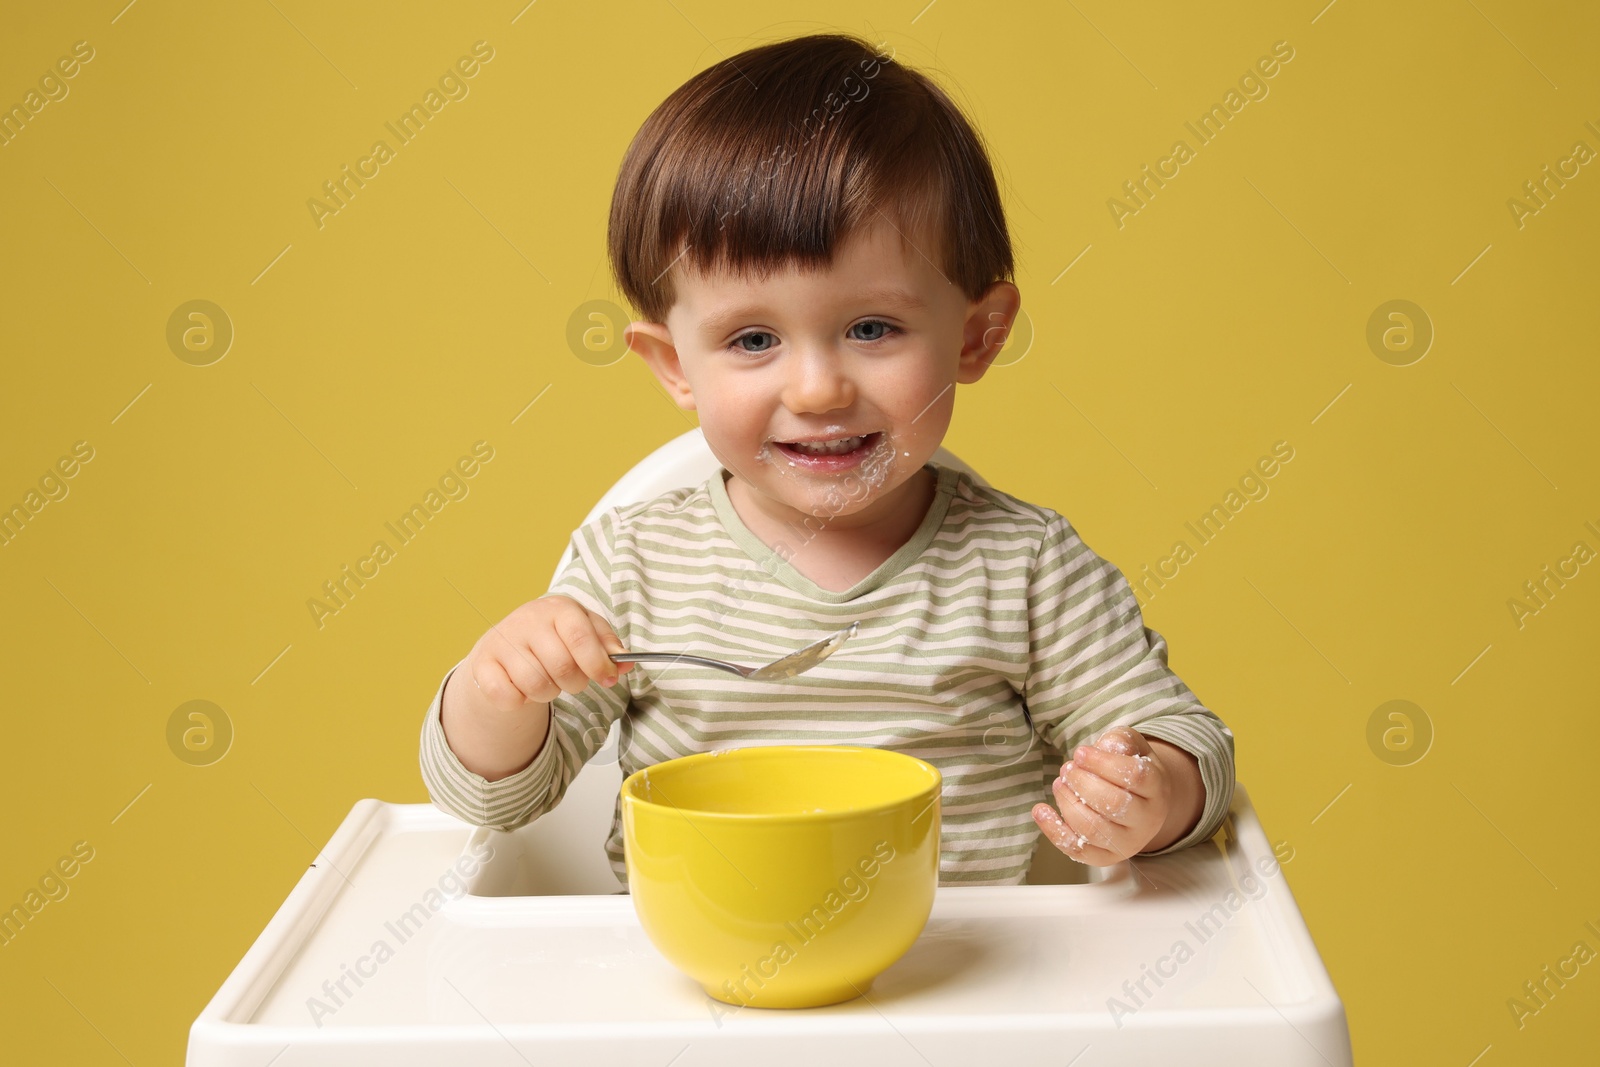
(839, 446)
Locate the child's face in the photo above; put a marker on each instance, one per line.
(827, 355)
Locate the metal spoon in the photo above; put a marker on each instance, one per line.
(784, 667)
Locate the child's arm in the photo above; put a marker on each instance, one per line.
(515, 721)
(488, 741)
(1149, 768)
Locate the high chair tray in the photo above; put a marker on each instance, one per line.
(405, 944)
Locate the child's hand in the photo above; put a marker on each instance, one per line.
(1113, 798)
(547, 646)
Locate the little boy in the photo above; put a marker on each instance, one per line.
(814, 237)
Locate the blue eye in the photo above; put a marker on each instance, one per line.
(887, 330)
(736, 343)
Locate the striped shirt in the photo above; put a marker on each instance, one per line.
(990, 643)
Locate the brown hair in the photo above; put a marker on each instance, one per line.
(776, 155)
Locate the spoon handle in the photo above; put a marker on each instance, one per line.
(677, 657)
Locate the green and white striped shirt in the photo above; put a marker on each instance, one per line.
(990, 643)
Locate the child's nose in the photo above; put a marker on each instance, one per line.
(818, 381)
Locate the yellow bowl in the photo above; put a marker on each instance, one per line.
(783, 876)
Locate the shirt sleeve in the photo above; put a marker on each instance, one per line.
(579, 722)
(1093, 665)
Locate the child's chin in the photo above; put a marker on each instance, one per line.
(826, 501)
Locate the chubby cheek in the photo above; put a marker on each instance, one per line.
(735, 426)
(922, 411)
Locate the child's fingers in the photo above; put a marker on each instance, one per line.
(497, 686)
(556, 659)
(569, 650)
(609, 641)
(507, 645)
(502, 652)
(1069, 841)
(1094, 826)
(1134, 773)
(1107, 798)
(1060, 834)
(529, 675)
(1123, 740)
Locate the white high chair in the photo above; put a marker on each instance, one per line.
(414, 939)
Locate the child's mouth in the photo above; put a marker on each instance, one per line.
(828, 456)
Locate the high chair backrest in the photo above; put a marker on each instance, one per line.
(684, 461)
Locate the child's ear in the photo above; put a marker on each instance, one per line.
(654, 345)
(988, 326)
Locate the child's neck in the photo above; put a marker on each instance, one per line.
(837, 557)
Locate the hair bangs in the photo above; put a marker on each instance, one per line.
(775, 157)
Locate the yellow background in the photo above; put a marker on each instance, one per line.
(1225, 316)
